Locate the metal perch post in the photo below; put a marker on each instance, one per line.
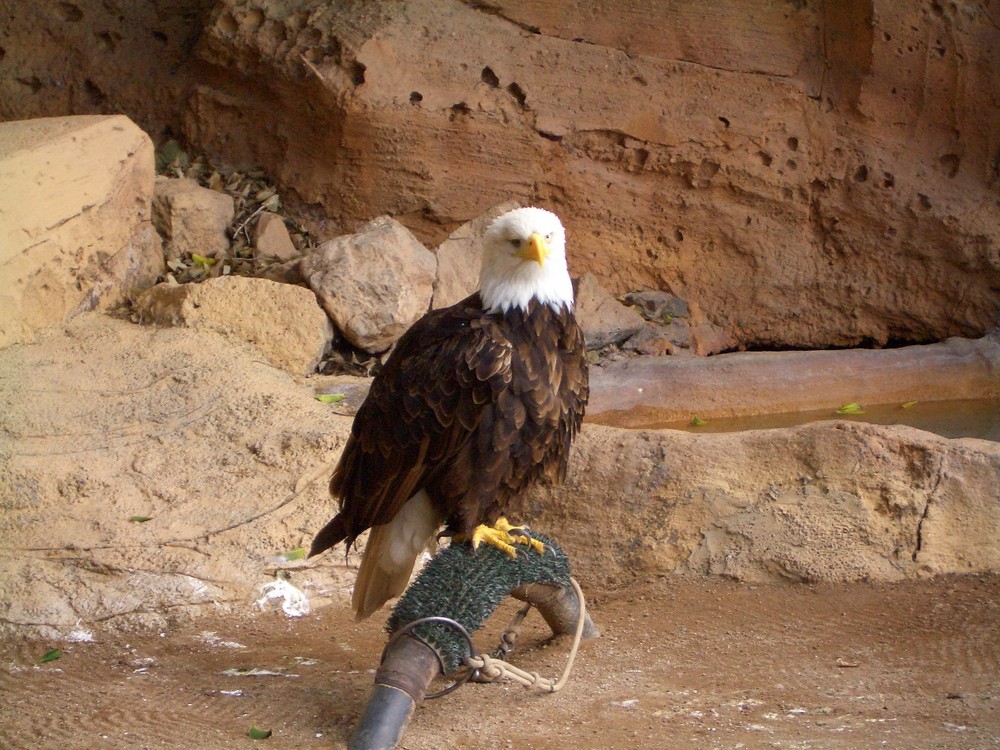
(450, 599)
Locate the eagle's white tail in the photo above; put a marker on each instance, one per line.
(391, 552)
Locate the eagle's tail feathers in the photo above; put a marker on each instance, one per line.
(391, 553)
(331, 534)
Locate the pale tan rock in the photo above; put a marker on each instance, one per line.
(191, 218)
(836, 501)
(74, 219)
(271, 239)
(604, 319)
(283, 321)
(460, 256)
(373, 284)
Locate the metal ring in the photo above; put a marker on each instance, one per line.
(441, 621)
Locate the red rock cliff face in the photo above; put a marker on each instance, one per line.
(806, 174)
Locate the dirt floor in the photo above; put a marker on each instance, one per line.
(682, 663)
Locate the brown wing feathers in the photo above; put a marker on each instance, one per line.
(470, 407)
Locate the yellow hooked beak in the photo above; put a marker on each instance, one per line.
(535, 249)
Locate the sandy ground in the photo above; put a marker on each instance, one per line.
(682, 663)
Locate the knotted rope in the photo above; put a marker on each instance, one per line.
(494, 669)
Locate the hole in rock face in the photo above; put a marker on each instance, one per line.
(227, 24)
(724, 120)
(793, 143)
(34, 83)
(459, 109)
(69, 12)
(107, 41)
(489, 77)
(357, 73)
(94, 93)
(925, 202)
(861, 174)
(416, 97)
(950, 163)
(888, 179)
(765, 158)
(518, 93)
(678, 235)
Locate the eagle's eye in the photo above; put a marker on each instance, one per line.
(516, 243)
(548, 237)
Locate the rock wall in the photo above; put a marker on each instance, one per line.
(804, 174)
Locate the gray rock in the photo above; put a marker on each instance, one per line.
(373, 284)
(191, 218)
(604, 319)
(459, 257)
(657, 305)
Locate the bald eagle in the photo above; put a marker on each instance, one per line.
(477, 402)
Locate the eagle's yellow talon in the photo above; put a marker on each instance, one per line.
(499, 535)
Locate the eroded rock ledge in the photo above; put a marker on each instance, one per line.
(227, 457)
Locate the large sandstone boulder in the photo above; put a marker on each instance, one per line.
(780, 169)
(75, 231)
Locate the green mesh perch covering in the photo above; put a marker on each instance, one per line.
(468, 585)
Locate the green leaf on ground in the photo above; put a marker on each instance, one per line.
(140, 519)
(259, 734)
(851, 408)
(50, 656)
(201, 260)
(330, 398)
(909, 404)
(698, 421)
(295, 554)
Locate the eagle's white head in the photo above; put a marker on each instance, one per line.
(524, 258)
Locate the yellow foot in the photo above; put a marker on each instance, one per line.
(499, 535)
